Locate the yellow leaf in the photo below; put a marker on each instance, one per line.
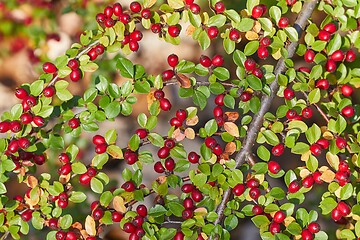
(118, 203)
(149, 3)
(250, 35)
(232, 129)
(90, 226)
(190, 133)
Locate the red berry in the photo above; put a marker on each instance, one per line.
(196, 195)
(181, 114)
(304, 69)
(278, 149)
(173, 60)
(217, 150)
(74, 123)
(53, 223)
(141, 132)
(336, 215)
(219, 7)
(49, 91)
(291, 2)
(75, 75)
(308, 181)
(245, 96)
(15, 126)
(322, 84)
(135, 7)
(274, 167)
(317, 177)
(279, 216)
(130, 157)
(100, 17)
(187, 214)
(141, 210)
(205, 61)
(155, 27)
(167, 74)
(109, 22)
(92, 54)
(265, 41)
(98, 139)
(249, 64)
(84, 179)
(136, 35)
(128, 186)
(324, 144)
(309, 56)
(108, 11)
(210, 142)
(314, 227)
(324, 35)
(5, 126)
(117, 9)
(257, 72)
(234, 35)
(346, 90)
(218, 112)
(337, 56)
(60, 235)
(306, 235)
(340, 142)
(330, 65)
(217, 60)
(13, 146)
(170, 164)
(315, 149)
(262, 52)
(194, 8)
(173, 31)
(252, 183)
(219, 100)
(98, 214)
(159, 94)
(289, 94)
(187, 188)
(65, 169)
(343, 208)
(307, 112)
(116, 216)
(49, 67)
(163, 152)
(343, 166)
(294, 186)
(330, 28)
(124, 18)
(350, 56)
(257, 11)
(283, 22)
(274, 228)
(188, 203)
(129, 227)
(193, 157)
(133, 45)
(212, 32)
(158, 167)
(21, 93)
(146, 13)
(138, 221)
(94, 205)
(179, 236)
(26, 215)
(39, 159)
(63, 203)
(169, 143)
(348, 111)
(165, 104)
(254, 193)
(257, 210)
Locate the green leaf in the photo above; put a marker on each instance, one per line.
(77, 197)
(112, 110)
(36, 87)
(229, 45)
(2, 188)
(185, 67)
(126, 67)
(251, 47)
(96, 185)
(231, 222)
(200, 99)
(232, 15)
(334, 44)
(65, 221)
(156, 139)
(199, 179)
(204, 40)
(313, 133)
(157, 211)
(78, 168)
(270, 137)
(263, 153)
(300, 148)
(292, 34)
(327, 205)
(294, 228)
(254, 82)
(266, 24)
(106, 198)
(176, 208)
(275, 13)
(314, 96)
(346, 191)
(217, 20)
(260, 221)
(211, 127)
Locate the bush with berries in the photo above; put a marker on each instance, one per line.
(290, 101)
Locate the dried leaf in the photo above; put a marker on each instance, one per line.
(250, 35)
(232, 129)
(190, 29)
(161, 179)
(304, 172)
(327, 176)
(305, 156)
(288, 220)
(90, 226)
(328, 135)
(231, 116)
(257, 27)
(178, 135)
(150, 99)
(192, 121)
(32, 181)
(119, 205)
(183, 80)
(189, 133)
(333, 160)
(230, 148)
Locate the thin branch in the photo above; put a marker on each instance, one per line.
(266, 102)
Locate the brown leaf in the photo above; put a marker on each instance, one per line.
(230, 148)
(250, 35)
(231, 116)
(178, 135)
(90, 226)
(119, 205)
(161, 179)
(327, 176)
(232, 129)
(32, 181)
(189, 133)
(190, 30)
(192, 121)
(183, 80)
(150, 99)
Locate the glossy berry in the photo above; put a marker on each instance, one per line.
(155, 28)
(181, 114)
(306, 235)
(346, 90)
(179, 236)
(188, 203)
(21, 93)
(15, 126)
(274, 167)
(49, 91)
(307, 112)
(210, 142)
(348, 111)
(324, 35)
(234, 35)
(49, 67)
(194, 8)
(322, 84)
(135, 7)
(343, 166)
(274, 228)
(254, 193)
(128, 186)
(205, 61)
(175, 122)
(350, 56)
(141, 132)
(257, 11)
(170, 164)
(165, 104)
(314, 227)
(257, 210)
(340, 142)
(317, 177)
(130, 157)
(98, 139)
(63, 203)
(172, 60)
(60, 235)
(278, 149)
(252, 183)
(219, 100)
(168, 74)
(26, 215)
(84, 179)
(116, 216)
(336, 215)
(187, 214)
(218, 111)
(315, 149)
(330, 65)
(98, 214)
(279, 216)
(75, 75)
(217, 60)
(257, 72)
(289, 94)
(219, 7)
(109, 22)
(308, 181)
(39, 159)
(309, 56)
(337, 56)
(249, 64)
(159, 94)
(65, 169)
(290, 2)
(283, 22)
(343, 208)
(163, 152)
(133, 45)
(193, 157)
(217, 150)
(196, 195)
(124, 18)
(265, 41)
(245, 96)
(262, 52)
(141, 210)
(174, 31)
(158, 167)
(212, 32)
(294, 186)
(129, 227)
(187, 188)
(169, 143)
(146, 13)
(330, 28)
(74, 123)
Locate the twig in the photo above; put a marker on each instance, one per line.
(266, 101)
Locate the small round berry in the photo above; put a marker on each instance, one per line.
(163, 152)
(141, 210)
(279, 216)
(324, 35)
(26, 215)
(21, 93)
(205, 61)
(294, 186)
(141, 132)
(254, 193)
(155, 28)
(330, 28)
(348, 111)
(193, 157)
(173, 60)
(49, 67)
(158, 167)
(337, 56)
(75, 75)
(170, 164)
(234, 35)
(340, 142)
(308, 181)
(194, 8)
(278, 149)
(212, 32)
(309, 56)
(315, 149)
(165, 104)
(116, 216)
(249, 64)
(49, 91)
(174, 31)
(346, 90)
(238, 189)
(274, 167)
(217, 60)
(330, 65)
(257, 11)
(314, 227)
(219, 7)
(350, 56)
(262, 52)
(128, 186)
(167, 74)
(98, 139)
(74, 123)
(274, 228)
(289, 94)
(307, 112)
(306, 235)
(146, 13)
(135, 7)
(322, 84)
(283, 22)
(196, 195)
(159, 94)
(187, 188)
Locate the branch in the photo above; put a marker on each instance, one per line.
(266, 101)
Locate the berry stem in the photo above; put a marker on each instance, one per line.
(266, 101)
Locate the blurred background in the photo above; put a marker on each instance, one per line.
(34, 31)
